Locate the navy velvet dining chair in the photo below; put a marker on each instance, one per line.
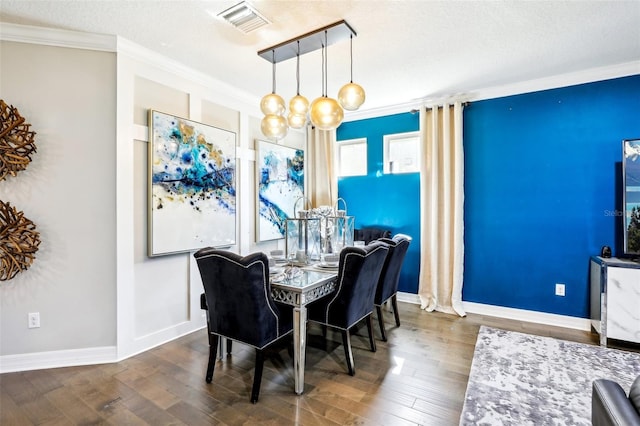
(370, 233)
(387, 288)
(352, 302)
(240, 307)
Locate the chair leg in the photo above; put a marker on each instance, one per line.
(381, 323)
(394, 302)
(372, 341)
(229, 342)
(213, 350)
(257, 376)
(346, 342)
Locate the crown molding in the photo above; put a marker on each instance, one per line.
(157, 60)
(119, 45)
(382, 111)
(57, 37)
(562, 80)
(109, 43)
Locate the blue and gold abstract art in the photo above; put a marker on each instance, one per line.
(280, 176)
(192, 185)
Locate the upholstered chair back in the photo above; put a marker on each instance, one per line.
(238, 297)
(390, 275)
(358, 275)
(370, 234)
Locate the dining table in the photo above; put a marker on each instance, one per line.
(298, 287)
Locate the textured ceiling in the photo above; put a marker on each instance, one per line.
(404, 51)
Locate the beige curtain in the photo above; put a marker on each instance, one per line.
(441, 209)
(322, 182)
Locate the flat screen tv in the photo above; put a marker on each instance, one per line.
(631, 198)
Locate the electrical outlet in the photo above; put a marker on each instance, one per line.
(34, 319)
(559, 289)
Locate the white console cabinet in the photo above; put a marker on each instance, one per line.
(615, 299)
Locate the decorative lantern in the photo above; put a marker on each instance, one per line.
(343, 233)
(302, 235)
(336, 228)
(302, 238)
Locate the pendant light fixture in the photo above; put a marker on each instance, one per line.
(351, 95)
(324, 112)
(299, 105)
(273, 125)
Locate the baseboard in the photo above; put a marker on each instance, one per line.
(408, 297)
(55, 359)
(514, 314)
(86, 356)
(108, 354)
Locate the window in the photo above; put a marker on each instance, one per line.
(352, 157)
(402, 153)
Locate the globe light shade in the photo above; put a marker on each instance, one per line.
(351, 96)
(296, 121)
(274, 126)
(272, 104)
(326, 113)
(299, 105)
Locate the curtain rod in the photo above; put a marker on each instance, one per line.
(464, 104)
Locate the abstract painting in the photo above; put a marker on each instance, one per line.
(192, 185)
(280, 177)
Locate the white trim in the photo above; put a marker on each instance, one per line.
(94, 356)
(56, 37)
(557, 81)
(56, 359)
(235, 97)
(108, 354)
(528, 316)
(553, 82)
(382, 111)
(338, 155)
(513, 314)
(408, 298)
(121, 46)
(388, 139)
(140, 133)
(110, 43)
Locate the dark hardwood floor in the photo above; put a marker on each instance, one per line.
(418, 377)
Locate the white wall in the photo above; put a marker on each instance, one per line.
(100, 297)
(69, 97)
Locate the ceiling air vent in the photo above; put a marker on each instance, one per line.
(244, 17)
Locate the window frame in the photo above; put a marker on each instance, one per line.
(355, 141)
(387, 140)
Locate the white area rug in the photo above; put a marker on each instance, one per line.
(521, 379)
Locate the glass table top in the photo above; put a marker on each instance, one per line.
(306, 278)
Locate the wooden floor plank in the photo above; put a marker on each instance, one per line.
(418, 377)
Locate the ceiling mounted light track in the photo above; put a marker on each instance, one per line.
(325, 113)
(309, 42)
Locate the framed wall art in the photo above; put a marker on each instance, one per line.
(192, 185)
(280, 178)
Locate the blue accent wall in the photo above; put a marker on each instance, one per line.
(541, 182)
(540, 191)
(391, 201)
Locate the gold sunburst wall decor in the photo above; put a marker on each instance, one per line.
(16, 141)
(19, 241)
